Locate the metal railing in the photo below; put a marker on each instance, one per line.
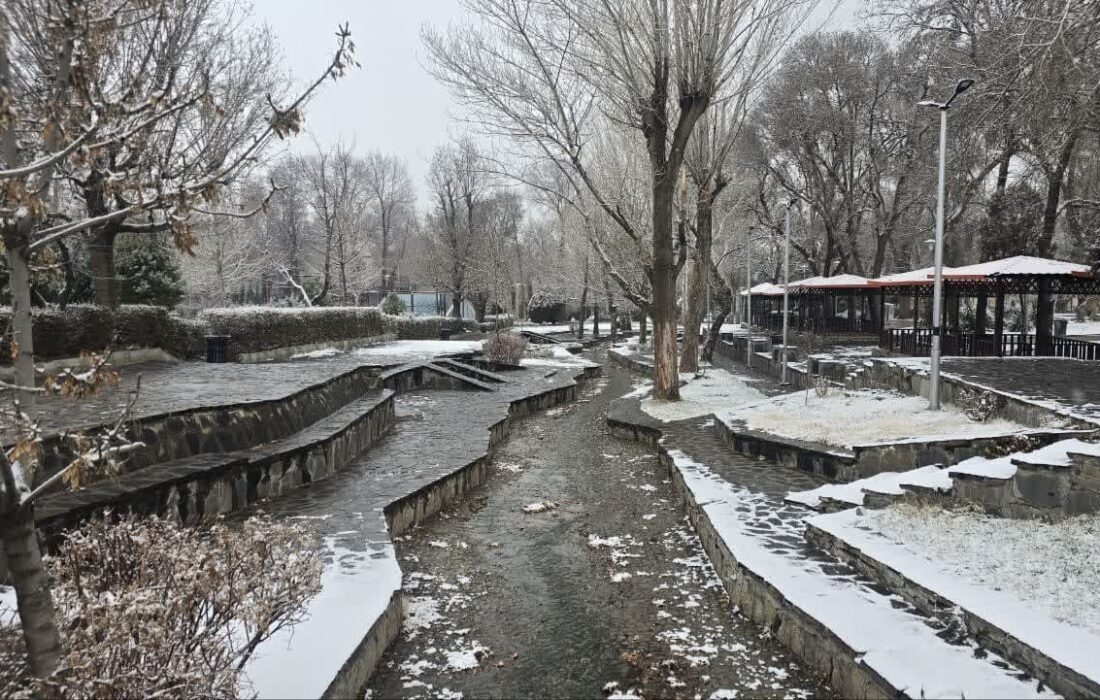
(917, 342)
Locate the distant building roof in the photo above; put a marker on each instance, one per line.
(911, 278)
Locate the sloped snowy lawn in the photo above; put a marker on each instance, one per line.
(700, 396)
(847, 418)
(1054, 568)
(553, 356)
(420, 349)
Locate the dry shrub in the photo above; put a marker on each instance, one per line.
(505, 348)
(150, 608)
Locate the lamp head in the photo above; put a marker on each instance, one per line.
(929, 103)
(963, 86)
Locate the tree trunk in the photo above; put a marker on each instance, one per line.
(456, 305)
(584, 303)
(1054, 197)
(611, 308)
(642, 330)
(666, 377)
(32, 591)
(697, 281)
(20, 542)
(725, 306)
(101, 259)
(479, 302)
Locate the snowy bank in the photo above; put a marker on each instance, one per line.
(1030, 581)
(1056, 455)
(851, 418)
(420, 349)
(717, 391)
(895, 645)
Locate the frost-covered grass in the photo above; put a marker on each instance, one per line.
(847, 418)
(700, 396)
(420, 349)
(1051, 567)
(552, 356)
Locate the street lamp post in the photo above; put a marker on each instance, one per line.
(786, 290)
(748, 299)
(937, 277)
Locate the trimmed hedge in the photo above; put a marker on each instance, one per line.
(83, 327)
(258, 328)
(408, 327)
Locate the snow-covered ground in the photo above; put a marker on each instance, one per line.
(1050, 567)
(420, 349)
(931, 477)
(717, 391)
(1083, 328)
(316, 354)
(848, 418)
(300, 661)
(553, 356)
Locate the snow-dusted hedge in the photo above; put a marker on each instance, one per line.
(86, 328)
(259, 328)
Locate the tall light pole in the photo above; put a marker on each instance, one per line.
(786, 290)
(748, 298)
(937, 277)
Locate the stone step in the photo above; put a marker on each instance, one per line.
(1061, 655)
(867, 642)
(472, 371)
(203, 486)
(446, 371)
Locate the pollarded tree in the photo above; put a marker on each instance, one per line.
(554, 75)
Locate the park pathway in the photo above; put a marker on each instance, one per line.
(607, 592)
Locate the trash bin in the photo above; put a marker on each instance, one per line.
(444, 333)
(1060, 326)
(217, 348)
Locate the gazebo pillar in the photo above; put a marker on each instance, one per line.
(999, 322)
(979, 315)
(1044, 319)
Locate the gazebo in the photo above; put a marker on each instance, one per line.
(766, 301)
(996, 279)
(839, 304)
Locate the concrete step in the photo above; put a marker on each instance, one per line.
(469, 370)
(467, 380)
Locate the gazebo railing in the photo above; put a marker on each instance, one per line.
(917, 342)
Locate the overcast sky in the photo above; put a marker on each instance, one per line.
(391, 103)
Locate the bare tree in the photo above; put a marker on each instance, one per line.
(457, 222)
(554, 75)
(392, 198)
(56, 121)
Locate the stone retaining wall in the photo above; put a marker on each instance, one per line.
(225, 428)
(1065, 681)
(203, 487)
(759, 601)
(883, 374)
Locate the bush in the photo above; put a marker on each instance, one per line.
(148, 272)
(150, 608)
(259, 328)
(505, 348)
(393, 306)
(65, 333)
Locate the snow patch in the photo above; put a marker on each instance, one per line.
(718, 390)
(539, 507)
(850, 418)
(893, 483)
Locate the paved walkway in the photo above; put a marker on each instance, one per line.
(169, 388)
(608, 591)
